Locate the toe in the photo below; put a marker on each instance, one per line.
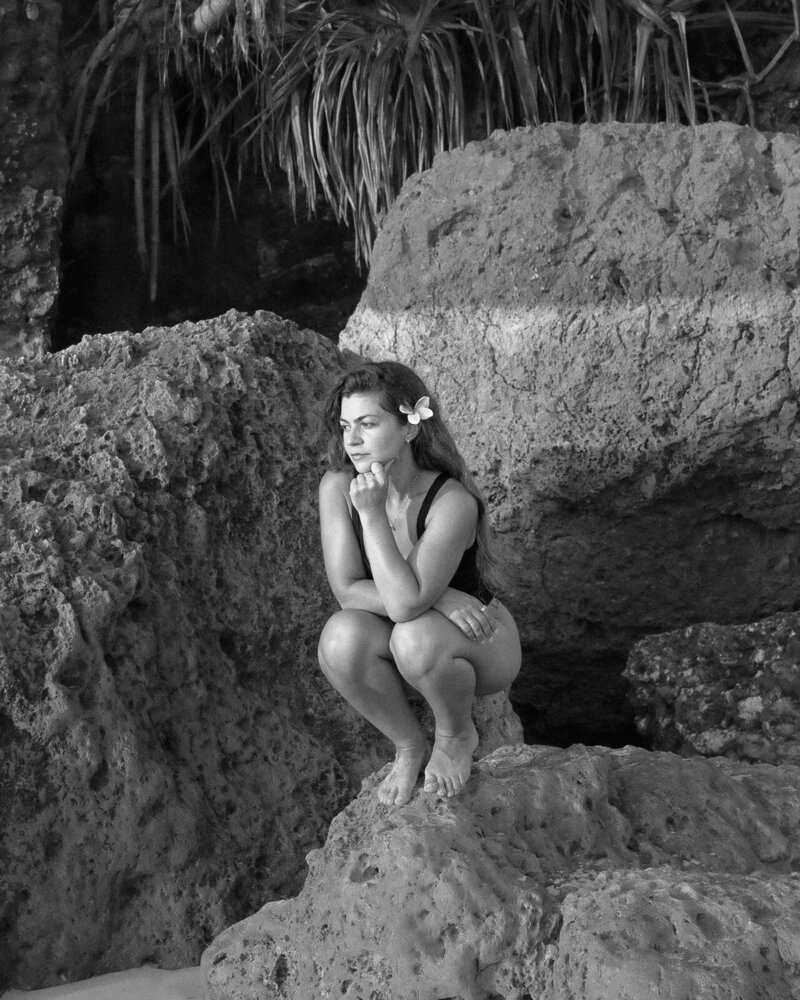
(387, 793)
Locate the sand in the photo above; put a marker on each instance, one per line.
(146, 983)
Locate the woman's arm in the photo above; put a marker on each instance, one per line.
(347, 575)
(343, 563)
(408, 587)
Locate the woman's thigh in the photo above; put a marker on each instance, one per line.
(496, 661)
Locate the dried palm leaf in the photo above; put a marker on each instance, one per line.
(350, 98)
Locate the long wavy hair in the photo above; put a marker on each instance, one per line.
(433, 447)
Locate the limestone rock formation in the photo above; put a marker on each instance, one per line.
(168, 749)
(33, 172)
(579, 874)
(160, 586)
(716, 689)
(609, 315)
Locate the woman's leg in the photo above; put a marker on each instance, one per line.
(354, 656)
(448, 669)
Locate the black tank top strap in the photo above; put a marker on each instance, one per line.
(430, 496)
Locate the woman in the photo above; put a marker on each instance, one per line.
(404, 537)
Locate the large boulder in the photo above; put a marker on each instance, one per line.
(33, 172)
(580, 874)
(608, 315)
(169, 751)
(721, 689)
(165, 764)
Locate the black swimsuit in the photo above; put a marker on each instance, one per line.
(466, 577)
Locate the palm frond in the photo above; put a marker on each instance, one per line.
(350, 98)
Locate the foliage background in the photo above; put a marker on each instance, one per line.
(347, 99)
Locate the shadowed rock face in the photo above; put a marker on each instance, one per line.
(33, 172)
(161, 590)
(609, 315)
(721, 689)
(583, 874)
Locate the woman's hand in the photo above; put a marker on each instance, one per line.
(368, 490)
(476, 620)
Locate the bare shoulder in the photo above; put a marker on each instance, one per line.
(455, 498)
(334, 483)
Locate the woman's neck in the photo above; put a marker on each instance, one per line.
(404, 479)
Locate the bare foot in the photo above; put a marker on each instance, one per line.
(397, 786)
(451, 762)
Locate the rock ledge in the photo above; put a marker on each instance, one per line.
(582, 874)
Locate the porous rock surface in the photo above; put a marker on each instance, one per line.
(579, 874)
(160, 590)
(721, 689)
(33, 172)
(608, 315)
(169, 751)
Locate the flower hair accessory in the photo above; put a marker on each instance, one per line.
(421, 411)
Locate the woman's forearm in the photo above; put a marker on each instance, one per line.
(395, 581)
(362, 595)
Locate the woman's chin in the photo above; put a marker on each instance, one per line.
(365, 464)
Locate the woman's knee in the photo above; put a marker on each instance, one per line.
(344, 643)
(415, 648)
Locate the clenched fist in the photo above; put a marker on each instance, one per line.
(368, 490)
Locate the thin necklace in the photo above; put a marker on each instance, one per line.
(405, 503)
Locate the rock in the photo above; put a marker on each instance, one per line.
(165, 765)
(497, 723)
(721, 689)
(607, 314)
(33, 172)
(579, 874)
(674, 934)
(169, 750)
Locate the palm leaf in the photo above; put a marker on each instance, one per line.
(349, 99)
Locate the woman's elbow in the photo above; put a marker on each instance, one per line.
(347, 600)
(403, 612)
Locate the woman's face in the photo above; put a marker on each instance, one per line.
(369, 433)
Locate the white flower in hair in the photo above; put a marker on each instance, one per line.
(421, 411)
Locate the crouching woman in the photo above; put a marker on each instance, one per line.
(405, 542)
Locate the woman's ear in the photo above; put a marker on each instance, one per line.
(411, 432)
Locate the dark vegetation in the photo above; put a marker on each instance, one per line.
(195, 128)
